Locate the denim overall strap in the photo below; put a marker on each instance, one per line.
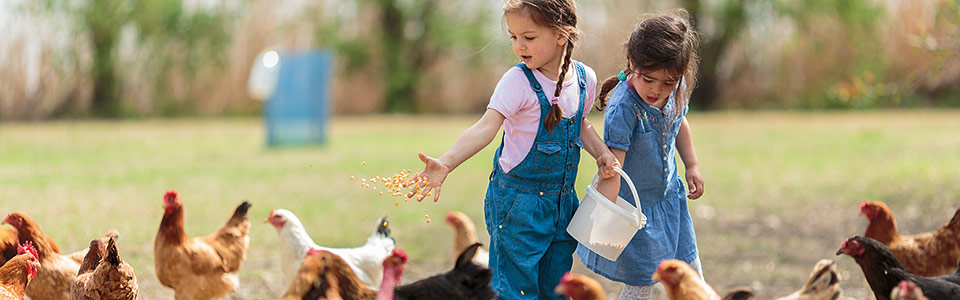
(528, 209)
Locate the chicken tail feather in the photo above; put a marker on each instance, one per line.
(112, 256)
(955, 222)
(240, 214)
(383, 227)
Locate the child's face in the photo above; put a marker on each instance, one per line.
(653, 86)
(537, 46)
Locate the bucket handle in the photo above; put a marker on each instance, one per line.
(637, 214)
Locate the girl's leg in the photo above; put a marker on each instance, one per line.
(633, 292)
(558, 260)
(695, 264)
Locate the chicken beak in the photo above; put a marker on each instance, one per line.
(656, 276)
(560, 290)
(840, 251)
(267, 220)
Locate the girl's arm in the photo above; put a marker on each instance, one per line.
(689, 156)
(469, 143)
(610, 186)
(595, 146)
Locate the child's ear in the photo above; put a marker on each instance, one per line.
(562, 40)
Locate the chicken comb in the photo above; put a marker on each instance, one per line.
(402, 255)
(865, 204)
(169, 194)
(314, 251)
(27, 247)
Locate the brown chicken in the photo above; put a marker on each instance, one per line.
(8, 243)
(907, 290)
(200, 267)
(57, 272)
(16, 273)
(104, 275)
(580, 287)
(464, 235)
(928, 254)
(324, 275)
(682, 282)
(824, 283)
(78, 256)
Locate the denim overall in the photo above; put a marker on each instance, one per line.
(527, 209)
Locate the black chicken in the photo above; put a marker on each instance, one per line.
(467, 280)
(883, 272)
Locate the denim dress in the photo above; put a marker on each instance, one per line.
(528, 208)
(632, 125)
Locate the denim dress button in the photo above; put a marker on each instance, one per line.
(541, 193)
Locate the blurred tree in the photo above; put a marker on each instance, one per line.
(407, 39)
(729, 19)
(171, 37)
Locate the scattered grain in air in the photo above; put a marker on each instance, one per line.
(397, 203)
(428, 221)
(424, 210)
(426, 216)
(363, 163)
(381, 193)
(352, 178)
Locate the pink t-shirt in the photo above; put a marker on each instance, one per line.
(516, 101)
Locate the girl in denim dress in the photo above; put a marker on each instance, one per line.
(530, 196)
(644, 125)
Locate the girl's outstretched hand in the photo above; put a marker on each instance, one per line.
(605, 164)
(694, 182)
(429, 180)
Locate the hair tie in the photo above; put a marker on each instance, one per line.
(555, 101)
(622, 76)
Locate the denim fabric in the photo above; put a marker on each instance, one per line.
(632, 125)
(527, 209)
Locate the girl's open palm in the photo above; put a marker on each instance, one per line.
(428, 181)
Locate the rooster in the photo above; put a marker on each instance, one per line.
(933, 253)
(364, 260)
(467, 280)
(16, 273)
(325, 275)
(104, 275)
(464, 235)
(907, 290)
(883, 272)
(57, 272)
(824, 283)
(580, 287)
(200, 267)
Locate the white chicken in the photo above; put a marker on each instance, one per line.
(364, 260)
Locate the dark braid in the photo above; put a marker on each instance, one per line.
(604, 95)
(554, 115)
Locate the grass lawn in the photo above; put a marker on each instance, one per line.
(782, 189)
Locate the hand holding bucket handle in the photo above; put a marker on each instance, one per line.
(641, 219)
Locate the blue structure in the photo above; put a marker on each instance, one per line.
(298, 110)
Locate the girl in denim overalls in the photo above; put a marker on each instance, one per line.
(644, 125)
(530, 198)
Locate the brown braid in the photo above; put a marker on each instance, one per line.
(554, 115)
(605, 90)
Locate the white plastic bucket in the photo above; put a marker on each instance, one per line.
(604, 227)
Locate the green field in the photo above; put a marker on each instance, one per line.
(782, 189)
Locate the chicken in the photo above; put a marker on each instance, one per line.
(200, 267)
(8, 243)
(883, 272)
(580, 287)
(17, 272)
(104, 275)
(57, 272)
(907, 290)
(325, 275)
(364, 260)
(78, 256)
(933, 253)
(467, 280)
(823, 284)
(464, 235)
(682, 282)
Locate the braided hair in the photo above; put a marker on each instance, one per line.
(560, 15)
